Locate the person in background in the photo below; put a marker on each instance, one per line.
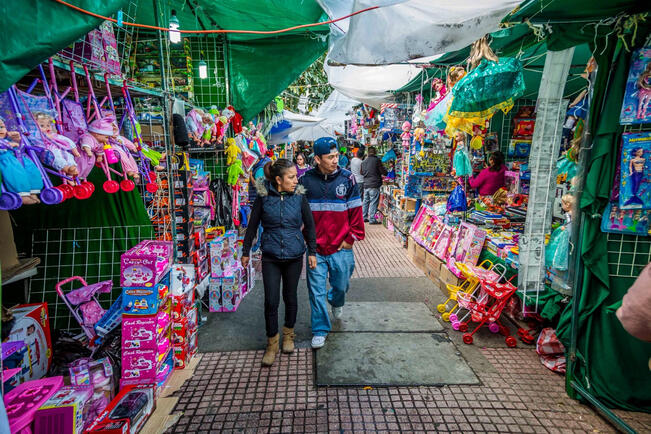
(372, 170)
(301, 165)
(343, 158)
(282, 208)
(337, 209)
(356, 168)
(491, 178)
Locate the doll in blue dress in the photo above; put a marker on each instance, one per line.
(19, 173)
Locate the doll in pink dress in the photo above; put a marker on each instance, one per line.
(122, 146)
(439, 87)
(63, 149)
(92, 145)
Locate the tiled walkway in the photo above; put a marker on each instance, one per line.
(231, 392)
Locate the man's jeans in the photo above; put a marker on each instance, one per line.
(371, 201)
(337, 269)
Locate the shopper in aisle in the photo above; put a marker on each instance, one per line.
(283, 210)
(491, 178)
(301, 165)
(356, 168)
(343, 158)
(337, 209)
(372, 170)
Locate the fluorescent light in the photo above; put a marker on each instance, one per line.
(175, 35)
(203, 69)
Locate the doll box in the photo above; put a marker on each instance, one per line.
(32, 326)
(203, 269)
(144, 301)
(127, 412)
(65, 412)
(223, 254)
(146, 263)
(214, 295)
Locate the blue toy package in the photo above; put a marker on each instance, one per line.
(622, 221)
(635, 171)
(636, 107)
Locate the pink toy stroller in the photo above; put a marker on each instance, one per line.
(84, 305)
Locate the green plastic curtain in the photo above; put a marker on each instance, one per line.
(29, 33)
(612, 365)
(260, 69)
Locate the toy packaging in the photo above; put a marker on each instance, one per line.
(223, 256)
(32, 326)
(635, 172)
(625, 221)
(66, 412)
(146, 263)
(637, 97)
(182, 279)
(127, 413)
(22, 402)
(100, 376)
(144, 301)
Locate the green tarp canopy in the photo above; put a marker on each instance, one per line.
(261, 65)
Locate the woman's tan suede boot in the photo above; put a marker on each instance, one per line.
(271, 351)
(288, 340)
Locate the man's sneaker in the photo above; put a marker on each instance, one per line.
(337, 312)
(318, 341)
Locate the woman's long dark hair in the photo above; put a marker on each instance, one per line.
(277, 168)
(498, 161)
(300, 154)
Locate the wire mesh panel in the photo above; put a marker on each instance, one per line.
(92, 253)
(211, 90)
(627, 255)
(214, 161)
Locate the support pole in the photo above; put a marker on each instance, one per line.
(542, 163)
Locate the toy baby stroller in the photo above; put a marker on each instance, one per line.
(94, 320)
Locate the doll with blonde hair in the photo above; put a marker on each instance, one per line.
(63, 149)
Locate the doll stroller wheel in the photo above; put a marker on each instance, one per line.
(127, 185)
(453, 317)
(455, 325)
(51, 196)
(467, 338)
(90, 186)
(9, 201)
(151, 187)
(493, 327)
(511, 342)
(440, 308)
(446, 316)
(504, 331)
(463, 327)
(67, 190)
(111, 186)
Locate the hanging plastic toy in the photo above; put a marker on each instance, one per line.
(406, 134)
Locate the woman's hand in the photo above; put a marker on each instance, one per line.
(245, 261)
(311, 262)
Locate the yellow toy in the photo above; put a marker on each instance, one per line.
(231, 151)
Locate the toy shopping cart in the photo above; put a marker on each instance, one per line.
(486, 306)
(87, 310)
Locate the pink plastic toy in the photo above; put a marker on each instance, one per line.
(83, 302)
(406, 135)
(22, 402)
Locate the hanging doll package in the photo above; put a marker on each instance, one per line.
(635, 171)
(636, 108)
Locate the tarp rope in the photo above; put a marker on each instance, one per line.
(254, 32)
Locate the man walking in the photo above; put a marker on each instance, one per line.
(356, 168)
(337, 209)
(372, 171)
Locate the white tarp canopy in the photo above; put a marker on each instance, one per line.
(296, 122)
(310, 133)
(371, 85)
(404, 30)
(335, 111)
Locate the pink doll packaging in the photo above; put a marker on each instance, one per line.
(214, 295)
(146, 263)
(443, 242)
(223, 254)
(99, 375)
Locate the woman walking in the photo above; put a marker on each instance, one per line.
(282, 209)
(301, 165)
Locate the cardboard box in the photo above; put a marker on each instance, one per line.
(411, 248)
(447, 277)
(419, 257)
(32, 326)
(433, 266)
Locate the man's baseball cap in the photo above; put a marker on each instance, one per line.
(325, 145)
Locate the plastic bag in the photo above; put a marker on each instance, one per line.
(457, 200)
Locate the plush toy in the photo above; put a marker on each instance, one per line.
(232, 151)
(406, 135)
(234, 172)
